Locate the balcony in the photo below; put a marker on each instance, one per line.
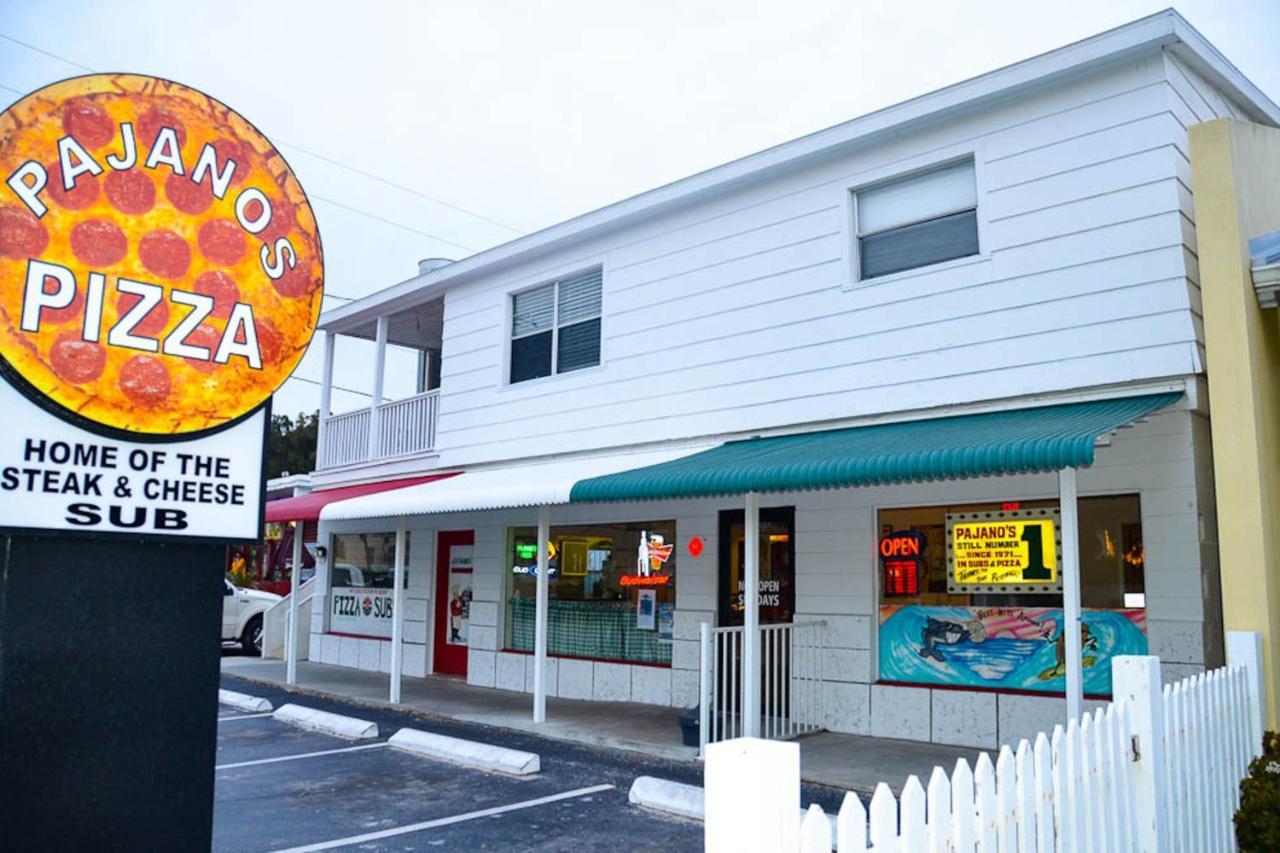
(398, 428)
(383, 429)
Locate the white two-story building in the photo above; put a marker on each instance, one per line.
(970, 320)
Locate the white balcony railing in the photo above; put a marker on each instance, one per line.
(403, 427)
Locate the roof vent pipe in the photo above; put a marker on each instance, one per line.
(427, 265)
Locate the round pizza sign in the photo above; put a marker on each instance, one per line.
(160, 267)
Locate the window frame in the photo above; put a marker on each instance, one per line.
(1031, 494)
(876, 178)
(509, 320)
(504, 628)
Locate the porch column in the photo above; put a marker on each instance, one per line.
(326, 389)
(397, 612)
(1071, 591)
(751, 618)
(291, 630)
(540, 618)
(379, 368)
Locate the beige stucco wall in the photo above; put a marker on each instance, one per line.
(1236, 173)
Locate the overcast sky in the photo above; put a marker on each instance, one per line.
(479, 121)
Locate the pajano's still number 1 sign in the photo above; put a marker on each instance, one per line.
(161, 275)
(1012, 551)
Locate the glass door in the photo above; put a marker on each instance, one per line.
(777, 589)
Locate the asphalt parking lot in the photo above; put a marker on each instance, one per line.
(279, 787)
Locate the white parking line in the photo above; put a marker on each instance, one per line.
(300, 755)
(245, 716)
(445, 821)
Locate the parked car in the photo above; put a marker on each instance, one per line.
(242, 611)
(345, 574)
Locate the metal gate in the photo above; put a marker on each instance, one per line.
(790, 701)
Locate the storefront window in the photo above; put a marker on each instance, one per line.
(612, 591)
(362, 580)
(1011, 637)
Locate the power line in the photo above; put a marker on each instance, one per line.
(355, 210)
(41, 50)
(334, 387)
(409, 190)
(392, 222)
(307, 151)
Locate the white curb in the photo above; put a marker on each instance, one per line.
(663, 795)
(243, 701)
(468, 752)
(316, 720)
(677, 798)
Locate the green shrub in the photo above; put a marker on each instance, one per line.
(1258, 819)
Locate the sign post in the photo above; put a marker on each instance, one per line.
(160, 276)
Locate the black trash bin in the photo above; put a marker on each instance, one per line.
(689, 725)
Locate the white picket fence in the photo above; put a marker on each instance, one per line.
(1157, 769)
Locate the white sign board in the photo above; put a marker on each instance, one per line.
(56, 476)
(361, 610)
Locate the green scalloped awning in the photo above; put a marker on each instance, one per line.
(1020, 441)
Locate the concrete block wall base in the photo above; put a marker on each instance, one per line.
(324, 722)
(467, 752)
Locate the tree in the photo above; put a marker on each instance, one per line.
(291, 444)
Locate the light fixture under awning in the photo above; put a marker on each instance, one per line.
(527, 485)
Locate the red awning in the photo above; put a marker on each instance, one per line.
(307, 507)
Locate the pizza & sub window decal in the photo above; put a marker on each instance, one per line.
(161, 271)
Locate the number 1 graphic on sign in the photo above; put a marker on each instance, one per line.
(1036, 570)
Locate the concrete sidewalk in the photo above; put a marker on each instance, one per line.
(849, 762)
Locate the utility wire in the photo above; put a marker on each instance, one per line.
(334, 387)
(409, 190)
(391, 222)
(307, 151)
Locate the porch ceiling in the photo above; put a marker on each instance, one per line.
(1045, 438)
(419, 327)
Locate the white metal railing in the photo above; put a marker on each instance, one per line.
(401, 427)
(407, 426)
(346, 439)
(790, 700)
(1155, 769)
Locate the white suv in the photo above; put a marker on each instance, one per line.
(242, 611)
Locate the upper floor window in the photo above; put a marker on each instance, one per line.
(916, 221)
(555, 327)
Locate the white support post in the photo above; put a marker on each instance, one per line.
(752, 795)
(397, 612)
(326, 398)
(291, 633)
(751, 618)
(540, 618)
(1070, 569)
(379, 369)
(705, 674)
(1244, 648)
(1136, 678)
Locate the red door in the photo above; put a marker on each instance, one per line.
(453, 600)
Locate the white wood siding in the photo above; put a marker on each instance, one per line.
(736, 312)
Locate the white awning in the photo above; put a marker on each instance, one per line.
(533, 484)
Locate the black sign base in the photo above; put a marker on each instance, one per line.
(109, 661)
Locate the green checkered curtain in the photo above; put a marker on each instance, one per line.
(588, 629)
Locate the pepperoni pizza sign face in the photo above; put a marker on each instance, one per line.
(160, 268)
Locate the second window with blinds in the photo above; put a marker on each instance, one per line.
(555, 327)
